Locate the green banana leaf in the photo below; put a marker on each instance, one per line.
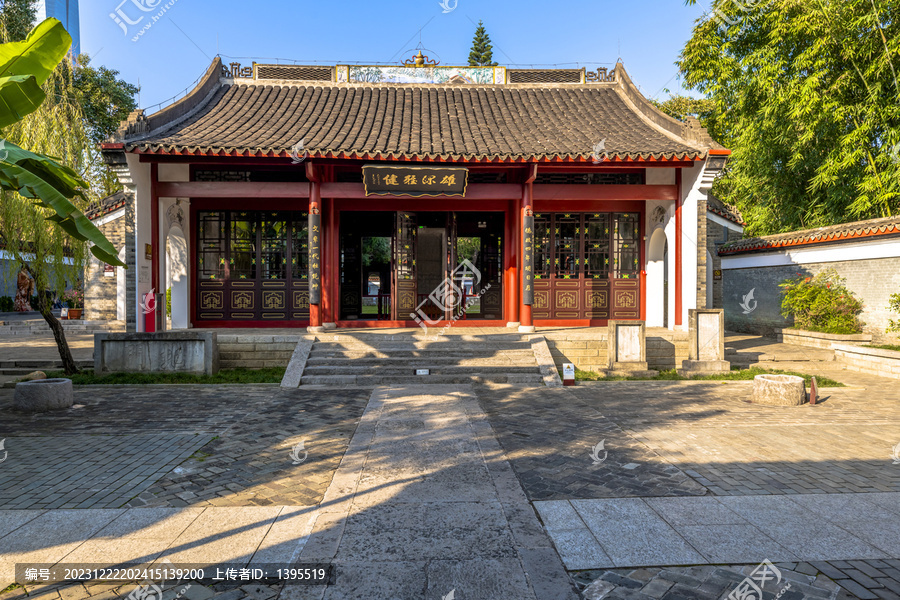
(20, 95)
(38, 54)
(26, 65)
(50, 184)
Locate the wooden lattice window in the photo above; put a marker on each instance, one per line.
(211, 245)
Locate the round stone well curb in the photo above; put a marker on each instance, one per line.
(779, 390)
(43, 394)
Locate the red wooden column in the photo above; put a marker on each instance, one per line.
(329, 272)
(526, 270)
(315, 249)
(511, 272)
(678, 244)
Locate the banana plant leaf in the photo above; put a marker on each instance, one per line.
(25, 66)
(50, 184)
(38, 54)
(20, 95)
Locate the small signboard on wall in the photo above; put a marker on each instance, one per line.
(109, 271)
(415, 181)
(717, 275)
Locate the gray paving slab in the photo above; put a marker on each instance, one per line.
(654, 532)
(50, 537)
(633, 534)
(10, 520)
(285, 539)
(222, 535)
(734, 543)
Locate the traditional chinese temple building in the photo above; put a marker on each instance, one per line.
(348, 196)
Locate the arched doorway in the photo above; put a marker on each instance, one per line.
(656, 279)
(177, 276)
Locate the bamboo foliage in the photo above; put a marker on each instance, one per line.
(807, 97)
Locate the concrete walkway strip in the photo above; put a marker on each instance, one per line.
(638, 532)
(424, 503)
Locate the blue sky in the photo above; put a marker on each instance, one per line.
(175, 51)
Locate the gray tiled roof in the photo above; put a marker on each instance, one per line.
(845, 232)
(509, 122)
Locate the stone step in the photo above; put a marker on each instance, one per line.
(424, 345)
(409, 369)
(373, 380)
(410, 354)
(335, 361)
(377, 339)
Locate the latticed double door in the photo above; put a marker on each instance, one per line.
(252, 266)
(587, 266)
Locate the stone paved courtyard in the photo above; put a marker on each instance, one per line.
(229, 448)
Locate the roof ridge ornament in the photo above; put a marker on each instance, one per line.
(420, 60)
(603, 75)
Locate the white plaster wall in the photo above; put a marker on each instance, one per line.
(660, 176)
(691, 195)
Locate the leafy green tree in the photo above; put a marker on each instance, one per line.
(106, 101)
(16, 19)
(41, 197)
(806, 95)
(482, 54)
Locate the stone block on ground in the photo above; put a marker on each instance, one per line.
(779, 390)
(43, 395)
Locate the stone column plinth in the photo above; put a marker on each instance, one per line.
(706, 351)
(627, 350)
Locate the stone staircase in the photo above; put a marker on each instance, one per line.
(75, 327)
(373, 359)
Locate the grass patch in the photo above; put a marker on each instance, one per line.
(735, 375)
(12, 587)
(884, 347)
(832, 330)
(269, 375)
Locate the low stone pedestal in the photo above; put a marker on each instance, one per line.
(627, 350)
(165, 352)
(779, 390)
(706, 348)
(42, 395)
